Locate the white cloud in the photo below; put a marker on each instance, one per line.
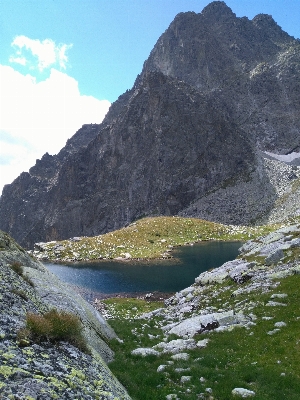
(46, 53)
(38, 117)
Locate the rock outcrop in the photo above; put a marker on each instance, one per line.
(45, 370)
(189, 312)
(242, 316)
(215, 93)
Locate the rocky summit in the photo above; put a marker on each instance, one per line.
(217, 101)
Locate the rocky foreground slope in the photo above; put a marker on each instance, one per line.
(189, 138)
(45, 370)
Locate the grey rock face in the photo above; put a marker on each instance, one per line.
(47, 370)
(186, 139)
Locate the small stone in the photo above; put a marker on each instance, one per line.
(181, 356)
(171, 396)
(144, 351)
(179, 370)
(273, 331)
(244, 393)
(202, 380)
(278, 296)
(280, 324)
(202, 343)
(275, 304)
(161, 368)
(184, 379)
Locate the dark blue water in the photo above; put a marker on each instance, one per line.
(160, 275)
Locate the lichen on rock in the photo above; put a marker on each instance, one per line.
(55, 370)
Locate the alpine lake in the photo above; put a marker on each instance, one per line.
(108, 278)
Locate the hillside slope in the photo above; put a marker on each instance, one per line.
(233, 334)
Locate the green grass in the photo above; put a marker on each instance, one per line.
(130, 307)
(151, 238)
(252, 359)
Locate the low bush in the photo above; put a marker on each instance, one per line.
(55, 326)
(17, 267)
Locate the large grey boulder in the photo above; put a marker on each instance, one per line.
(207, 322)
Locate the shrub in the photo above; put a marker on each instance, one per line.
(17, 267)
(38, 326)
(55, 326)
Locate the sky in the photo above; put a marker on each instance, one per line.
(63, 62)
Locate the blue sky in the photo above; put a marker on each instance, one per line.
(63, 61)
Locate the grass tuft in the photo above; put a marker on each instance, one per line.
(55, 326)
(17, 267)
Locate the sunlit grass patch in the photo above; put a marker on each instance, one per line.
(252, 358)
(126, 308)
(149, 238)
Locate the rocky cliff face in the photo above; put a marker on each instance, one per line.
(46, 370)
(184, 140)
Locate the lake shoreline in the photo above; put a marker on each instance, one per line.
(168, 256)
(112, 278)
(93, 296)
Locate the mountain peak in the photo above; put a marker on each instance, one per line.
(217, 10)
(266, 23)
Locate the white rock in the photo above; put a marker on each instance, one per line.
(145, 351)
(179, 370)
(274, 304)
(176, 346)
(244, 393)
(161, 368)
(273, 332)
(171, 396)
(279, 324)
(184, 379)
(202, 343)
(181, 356)
(278, 296)
(200, 323)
